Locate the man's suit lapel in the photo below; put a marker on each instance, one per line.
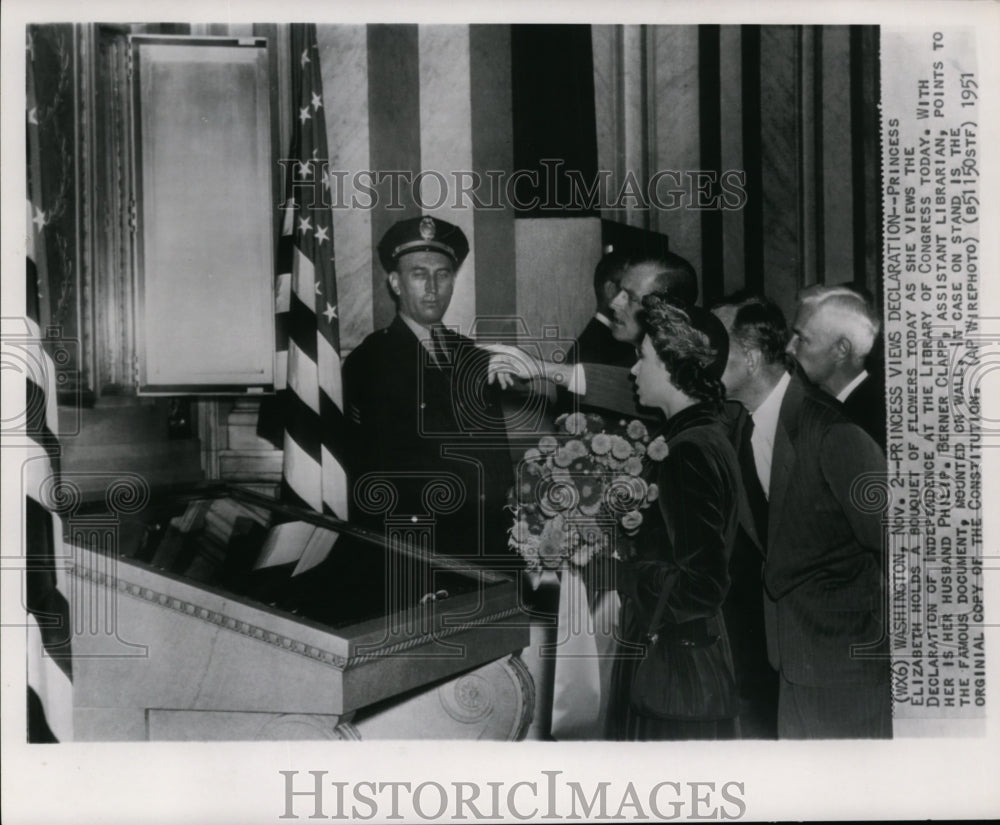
(783, 458)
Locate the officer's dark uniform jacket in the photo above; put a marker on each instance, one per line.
(428, 441)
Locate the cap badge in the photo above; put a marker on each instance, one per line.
(427, 228)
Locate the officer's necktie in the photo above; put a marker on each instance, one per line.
(439, 347)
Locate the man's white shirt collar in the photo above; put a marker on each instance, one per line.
(423, 334)
(604, 319)
(765, 425)
(844, 393)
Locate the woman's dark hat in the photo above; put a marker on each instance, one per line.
(706, 323)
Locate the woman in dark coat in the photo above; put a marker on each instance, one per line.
(685, 554)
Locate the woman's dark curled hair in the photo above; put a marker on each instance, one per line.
(680, 336)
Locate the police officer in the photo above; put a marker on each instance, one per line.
(429, 442)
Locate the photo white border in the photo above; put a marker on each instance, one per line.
(240, 783)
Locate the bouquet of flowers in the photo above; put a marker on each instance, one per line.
(581, 492)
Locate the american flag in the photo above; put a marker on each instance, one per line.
(308, 409)
(50, 671)
(308, 380)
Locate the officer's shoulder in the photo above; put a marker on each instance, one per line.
(373, 343)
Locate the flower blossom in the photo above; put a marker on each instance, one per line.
(601, 444)
(657, 449)
(636, 430)
(620, 448)
(575, 424)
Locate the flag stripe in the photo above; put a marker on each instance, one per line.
(31, 293)
(302, 378)
(281, 374)
(39, 732)
(44, 601)
(52, 685)
(49, 695)
(334, 484)
(302, 425)
(328, 362)
(283, 292)
(286, 249)
(335, 429)
(36, 414)
(302, 472)
(289, 495)
(304, 279)
(302, 326)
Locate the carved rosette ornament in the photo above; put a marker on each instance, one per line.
(468, 699)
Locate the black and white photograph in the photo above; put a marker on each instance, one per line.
(497, 413)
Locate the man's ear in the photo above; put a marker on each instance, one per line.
(842, 349)
(394, 282)
(609, 289)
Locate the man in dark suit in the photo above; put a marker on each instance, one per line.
(824, 570)
(833, 333)
(425, 421)
(602, 385)
(596, 344)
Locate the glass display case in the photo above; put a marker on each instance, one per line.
(217, 613)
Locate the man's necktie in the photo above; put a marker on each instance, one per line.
(751, 480)
(440, 351)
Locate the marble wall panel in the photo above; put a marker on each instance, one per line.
(492, 152)
(394, 140)
(344, 62)
(555, 268)
(731, 126)
(780, 136)
(837, 188)
(675, 143)
(446, 148)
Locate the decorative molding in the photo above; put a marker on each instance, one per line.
(440, 633)
(347, 732)
(261, 634)
(86, 214)
(278, 727)
(519, 670)
(113, 242)
(215, 617)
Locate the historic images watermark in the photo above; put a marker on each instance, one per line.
(548, 795)
(550, 189)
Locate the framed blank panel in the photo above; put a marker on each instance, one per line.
(205, 314)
